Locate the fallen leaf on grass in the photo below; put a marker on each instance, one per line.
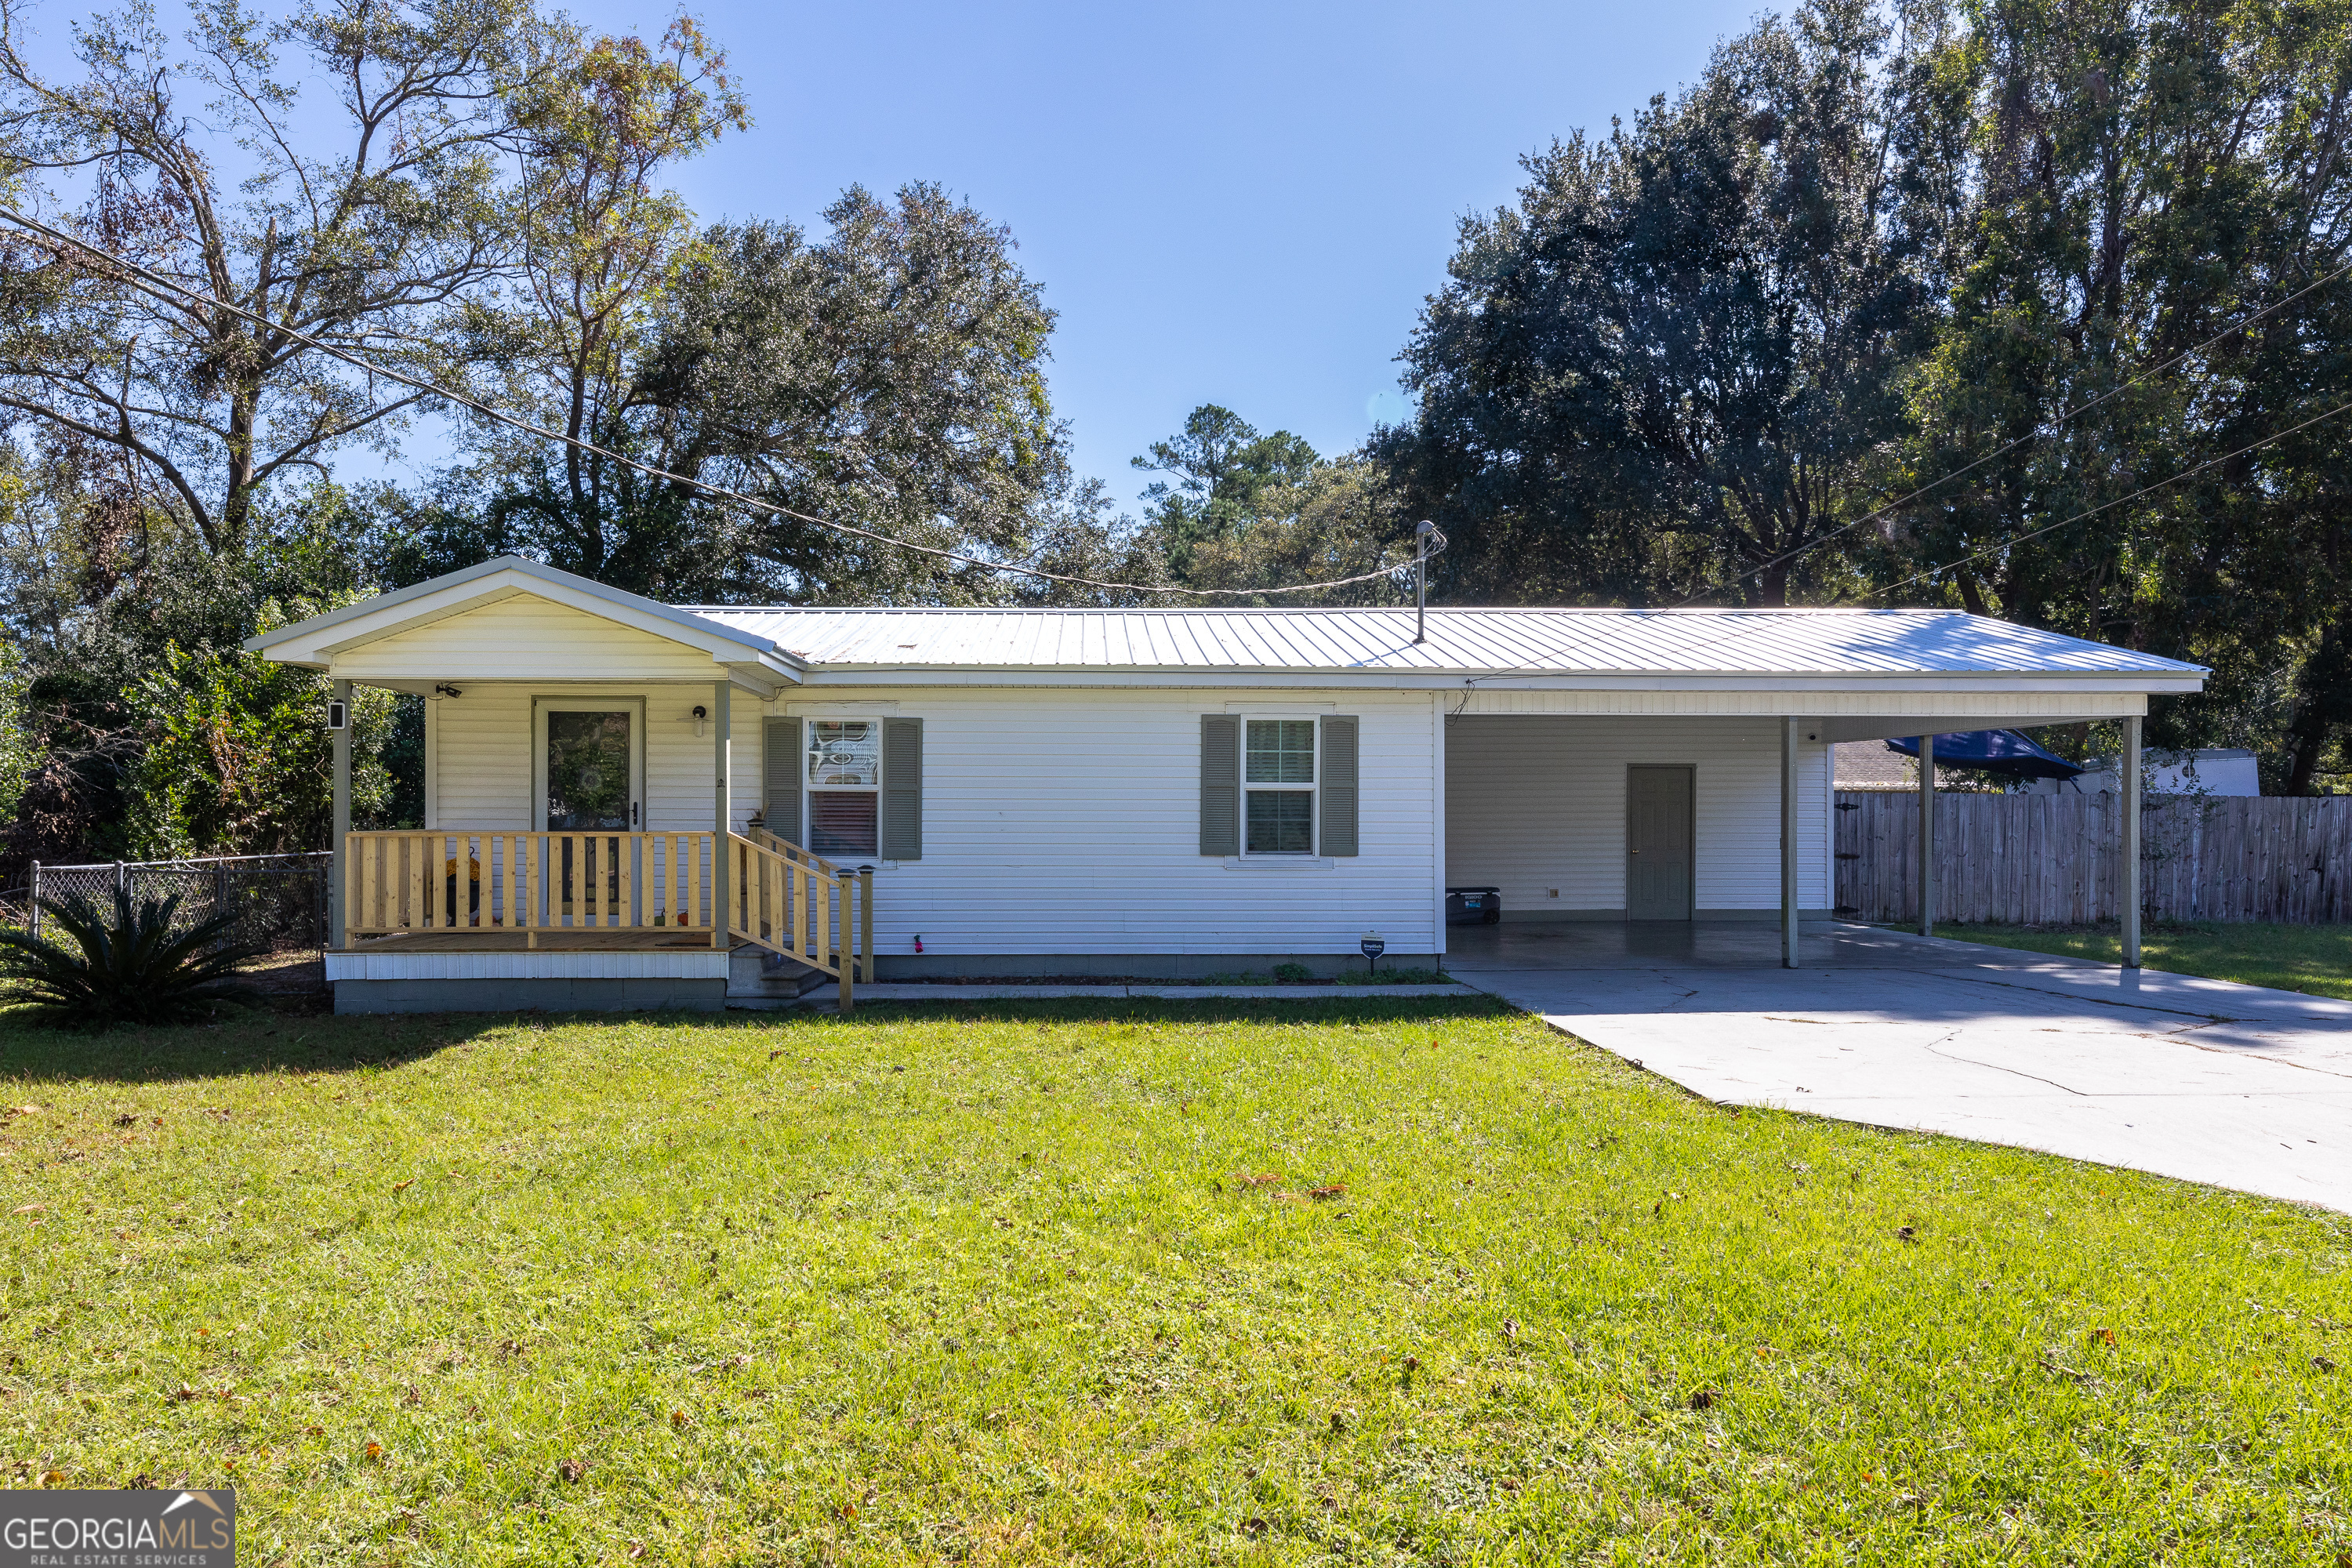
(1511, 1330)
(2323, 1364)
(126, 1120)
(1263, 1179)
(399, 1186)
(571, 1469)
(2103, 1336)
(53, 1478)
(1704, 1399)
(679, 1419)
(1324, 1194)
(30, 1208)
(375, 1450)
(1906, 1233)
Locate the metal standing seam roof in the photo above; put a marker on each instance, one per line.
(1459, 641)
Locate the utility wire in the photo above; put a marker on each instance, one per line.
(2041, 427)
(2108, 505)
(1471, 684)
(133, 272)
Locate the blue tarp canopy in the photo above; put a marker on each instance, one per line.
(1994, 752)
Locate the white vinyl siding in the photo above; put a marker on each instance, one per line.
(1534, 803)
(483, 761)
(1068, 822)
(525, 638)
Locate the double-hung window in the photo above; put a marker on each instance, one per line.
(845, 786)
(1278, 786)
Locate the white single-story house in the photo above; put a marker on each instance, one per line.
(631, 804)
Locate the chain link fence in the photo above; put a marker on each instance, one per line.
(280, 900)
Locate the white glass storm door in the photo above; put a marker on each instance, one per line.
(588, 776)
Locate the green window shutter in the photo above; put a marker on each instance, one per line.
(781, 799)
(1340, 791)
(1221, 784)
(902, 789)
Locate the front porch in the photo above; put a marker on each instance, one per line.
(450, 920)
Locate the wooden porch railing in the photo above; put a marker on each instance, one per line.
(802, 906)
(780, 896)
(527, 882)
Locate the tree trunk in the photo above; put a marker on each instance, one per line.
(2327, 682)
(236, 492)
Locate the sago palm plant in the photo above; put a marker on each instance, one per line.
(130, 969)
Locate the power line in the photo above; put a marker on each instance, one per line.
(137, 274)
(1472, 683)
(2041, 427)
(2109, 505)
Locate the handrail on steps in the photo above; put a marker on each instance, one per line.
(809, 910)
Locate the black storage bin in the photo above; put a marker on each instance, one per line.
(1473, 905)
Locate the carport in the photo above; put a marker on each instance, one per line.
(1682, 776)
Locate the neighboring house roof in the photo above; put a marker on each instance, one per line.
(1463, 642)
(1868, 764)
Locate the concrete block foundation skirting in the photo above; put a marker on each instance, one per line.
(1548, 913)
(1128, 965)
(546, 994)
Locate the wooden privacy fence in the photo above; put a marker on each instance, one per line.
(2050, 859)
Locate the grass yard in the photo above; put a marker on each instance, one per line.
(2312, 958)
(1216, 1281)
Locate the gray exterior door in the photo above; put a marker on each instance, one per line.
(1658, 844)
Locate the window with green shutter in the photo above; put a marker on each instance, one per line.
(1278, 786)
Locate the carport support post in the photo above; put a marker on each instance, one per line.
(339, 866)
(2127, 885)
(1926, 835)
(722, 815)
(1788, 844)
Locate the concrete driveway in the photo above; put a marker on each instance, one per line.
(2233, 1084)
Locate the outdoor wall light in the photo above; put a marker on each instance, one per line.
(445, 689)
(702, 716)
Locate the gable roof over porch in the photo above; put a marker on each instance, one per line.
(517, 619)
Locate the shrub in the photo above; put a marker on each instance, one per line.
(134, 970)
(1293, 972)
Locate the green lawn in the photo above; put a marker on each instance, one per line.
(2317, 959)
(1390, 1281)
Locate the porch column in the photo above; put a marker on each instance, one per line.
(342, 692)
(722, 812)
(1926, 835)
(1788, 844)
(2127, 884)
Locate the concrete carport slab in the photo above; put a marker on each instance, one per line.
(2232, 1085)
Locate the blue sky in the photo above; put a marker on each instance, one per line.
(1232, 202)
(1224, 202)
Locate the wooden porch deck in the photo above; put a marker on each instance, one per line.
(473, 941)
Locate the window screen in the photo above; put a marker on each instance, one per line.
(844, 777)
(1278, 776)
(1281, 822)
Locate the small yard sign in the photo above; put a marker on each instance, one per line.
(1372, 947)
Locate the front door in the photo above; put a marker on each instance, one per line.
(1658, 844)
(589, 777)
(589, 768)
